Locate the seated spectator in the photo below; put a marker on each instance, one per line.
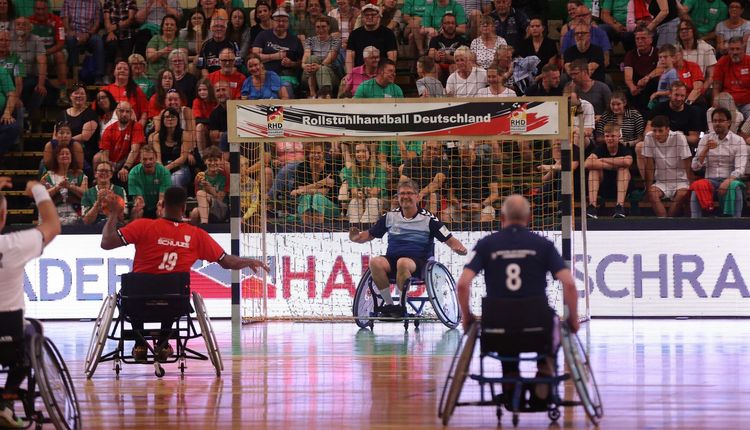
(121, 143)
(50, 28)
(571, 8)
(83, 123)
(208, 55)
(211, 189)
(382, 85)
(371, 33)
(212, 9)
(667, 173)
(281, 52)
(174, 101)
(320, 66)
(82, 19)
(585, 50)
(485, 46)
(118, 19)
(467, 80)
(413, 11)
(196, 31)
(7, 15)
(263, 22)
(35, 87)
(496, 83)
(161, 45)
(732, 75)
(641, 72)
(164, 84)
(315, 181)
(697, 50)
(203, 105)
(444, 45)
(287, 156)
(261, 83)
(510, 23)
(706, 14)
(94, 202)
(228, 73)
(362, 73)
(238, 31)
(125, 89)
(185, 81)
(473, 188)
(609, 169)
(629, 121)
(434, 12)
(217, 121)
(723, 155)
(539, 45)
(150, 18)
(172, 147)
(138, 71)
(690, 74)
(10, 129)
(430, 172)
(147, 182)
(595, 92)
(428, 84)
(363, 184)
(306, 27)
(614, 17)
(391, 17)
(726, 101)
(597, 36)
(733, 26)
(61, 135)
(666, 21)
(586, 114)
(549, 85)
(66, 184)
(667, 78)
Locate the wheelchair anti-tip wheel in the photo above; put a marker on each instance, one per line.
(207, 331)
(583, 377)
(457, 374)
(55, 385)
(364, 302)
(99, 335)
(441, 289)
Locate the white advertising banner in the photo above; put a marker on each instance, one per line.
(631, 273)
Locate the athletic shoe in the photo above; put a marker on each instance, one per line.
(8, 418)
(394, 311)
(591, 212)
(140, 353)
(165, 353)
(619, 212)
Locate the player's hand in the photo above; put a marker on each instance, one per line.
(6, 182)
(353, 233)
(113, 203)
(467, 320)
(29, 186)
(254, 265)
(462, 251)
(160, 208)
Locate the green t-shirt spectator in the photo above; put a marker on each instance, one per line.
(365, 179)
(393, 152)
(414, 7)
(370, 89)
(706, 14)
(92, 194)
(6, 86)
(14, 65)
(149, 186)
(158, 43)
(618, 9)
(146, 84)
(25, 8)
(433, 14)
(219, 182)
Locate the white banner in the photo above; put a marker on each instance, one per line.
(632, 273)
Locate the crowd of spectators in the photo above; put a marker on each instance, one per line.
(655, 79)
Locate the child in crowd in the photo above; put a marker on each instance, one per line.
(211, 189)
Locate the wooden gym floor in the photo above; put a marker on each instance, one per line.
(653, 374)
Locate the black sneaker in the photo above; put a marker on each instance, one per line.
(591, 212)
(619, 212)
(393, 311)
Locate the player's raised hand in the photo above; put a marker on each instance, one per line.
(113, 203)
(353, 234)
(29, 186)
(6, 182)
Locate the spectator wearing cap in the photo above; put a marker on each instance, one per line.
(280, 51)
(371, 33)
(208, 57)
(138, 72)
(444, 45)
(381, 86)
(434, 12)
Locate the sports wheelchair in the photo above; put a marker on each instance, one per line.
(45, 372)
(441, 293)
(513, 331)
(137, 304)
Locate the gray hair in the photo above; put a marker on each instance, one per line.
(370, 50)
(408, 183)
(516, 208)
(177, 53)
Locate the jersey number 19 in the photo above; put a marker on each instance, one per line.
(170, 261)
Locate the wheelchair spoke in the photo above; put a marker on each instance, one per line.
(583, 377)
(441, 289)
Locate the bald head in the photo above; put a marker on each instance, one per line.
(516, 210)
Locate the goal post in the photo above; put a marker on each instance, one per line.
(488, 148)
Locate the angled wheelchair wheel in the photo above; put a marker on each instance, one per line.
(441, 289)
(99, 335)
(364, 302)
(583, 377)
(212, 346)
(55, 385)
(459, 369)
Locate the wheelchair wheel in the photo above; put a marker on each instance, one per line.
(457, 374)
(441, 289)
(55, 385)
(99, 335)
(212, 346)
(364, 302)
(583, 377)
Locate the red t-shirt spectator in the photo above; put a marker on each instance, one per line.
(166, 246)
(202, 109)
(690, 73)
(138, 101)
(734, 78)
(118, 142)
(235, 81)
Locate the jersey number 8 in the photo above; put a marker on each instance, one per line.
(513, 277)
(170, 261)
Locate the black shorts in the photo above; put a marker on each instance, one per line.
(420, 262)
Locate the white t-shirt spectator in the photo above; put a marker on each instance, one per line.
(456, 86)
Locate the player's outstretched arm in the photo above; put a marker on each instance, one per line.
(110, 238)
(464, 292)
(236, 263)
(359, 236)
(456, 246)
(570, 297)
(49, 224)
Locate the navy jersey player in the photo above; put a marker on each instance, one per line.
(411, 241)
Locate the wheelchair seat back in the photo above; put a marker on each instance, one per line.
(150, 297)
(511, 326)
